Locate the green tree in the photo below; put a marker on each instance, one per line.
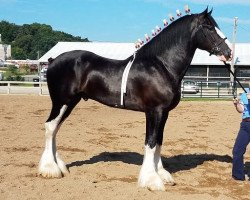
(12, 74)
(28, 39)
(8, 31)
(18, 53)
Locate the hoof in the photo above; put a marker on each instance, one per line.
(50, 171)
(152, 183)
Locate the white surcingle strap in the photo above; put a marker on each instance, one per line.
(125, 78)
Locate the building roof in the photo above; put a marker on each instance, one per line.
(242, 56)
(121, 51)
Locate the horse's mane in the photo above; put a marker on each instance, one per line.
(167, 37)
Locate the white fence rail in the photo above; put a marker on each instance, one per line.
(206, 89)
(20, 87)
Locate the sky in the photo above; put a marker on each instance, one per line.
(122, 20)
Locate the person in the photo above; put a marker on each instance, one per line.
(243, 137)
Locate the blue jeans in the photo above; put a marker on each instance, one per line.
(239, 150)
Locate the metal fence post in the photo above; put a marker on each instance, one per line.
(218, 88)
(201, 89)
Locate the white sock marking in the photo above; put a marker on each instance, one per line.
(148, 176)
(48, 165)
(164, 174)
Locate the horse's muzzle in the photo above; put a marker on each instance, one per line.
(227, 55)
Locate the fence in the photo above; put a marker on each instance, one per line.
(17, 87)
(206, 89)
(218, 89)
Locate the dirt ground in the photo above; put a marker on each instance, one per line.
(103, 148)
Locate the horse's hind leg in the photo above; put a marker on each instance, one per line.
(48, 164)
(51, 164)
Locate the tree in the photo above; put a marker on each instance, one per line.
(18, 53)
(28, 39)
(8, 31)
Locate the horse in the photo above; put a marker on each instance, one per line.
(153, 86)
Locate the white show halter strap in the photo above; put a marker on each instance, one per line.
(125, 78)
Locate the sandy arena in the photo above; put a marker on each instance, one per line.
(103, 148)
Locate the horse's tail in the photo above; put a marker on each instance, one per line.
(50, 60)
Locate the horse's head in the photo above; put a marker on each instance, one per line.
(210, 38)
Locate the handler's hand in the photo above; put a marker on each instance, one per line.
(235, 101)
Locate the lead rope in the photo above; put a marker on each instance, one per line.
(234, 86)
(125, 78)
(235, 79)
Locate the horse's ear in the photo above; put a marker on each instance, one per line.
(205, 12)
(210, 12)
(203, 15)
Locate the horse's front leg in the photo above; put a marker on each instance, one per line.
(152, 174)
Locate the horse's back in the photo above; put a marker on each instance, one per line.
(85, 73)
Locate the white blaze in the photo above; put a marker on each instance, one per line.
(223, 36)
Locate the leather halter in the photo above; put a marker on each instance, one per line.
(216, 44)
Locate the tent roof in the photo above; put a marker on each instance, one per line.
(119, 51)
(242, 56)
(122, 51)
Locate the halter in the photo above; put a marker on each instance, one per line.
(216, 45)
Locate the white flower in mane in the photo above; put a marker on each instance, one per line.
(139, 43)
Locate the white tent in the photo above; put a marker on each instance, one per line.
(122, 51)
(119, 51)
(242, 56)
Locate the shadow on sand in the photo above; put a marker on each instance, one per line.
(172, 164)
(247, 169)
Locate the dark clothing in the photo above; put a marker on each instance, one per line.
(239, 150)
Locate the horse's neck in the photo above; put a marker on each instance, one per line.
(179, 55)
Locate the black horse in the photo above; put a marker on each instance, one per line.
(153, 87)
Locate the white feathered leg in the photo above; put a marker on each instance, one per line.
(164, 174)
(61, 164)
(51, 165)
(148, 176)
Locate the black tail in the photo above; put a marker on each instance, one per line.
(50, 60)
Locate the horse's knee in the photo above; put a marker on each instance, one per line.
(52, 125)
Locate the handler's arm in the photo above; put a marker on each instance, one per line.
(239, 107)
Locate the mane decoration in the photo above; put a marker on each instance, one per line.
(139, 43)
